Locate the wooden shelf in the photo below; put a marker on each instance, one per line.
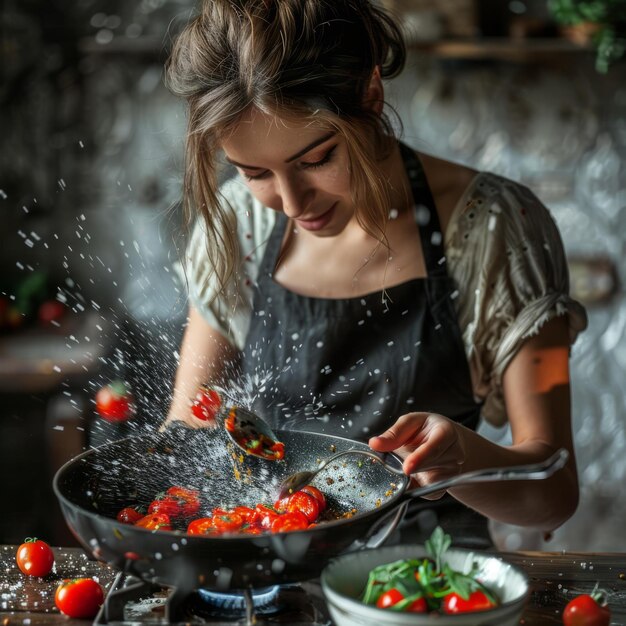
(496, 48)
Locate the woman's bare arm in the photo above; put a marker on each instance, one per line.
(537, 395)
(203, 353)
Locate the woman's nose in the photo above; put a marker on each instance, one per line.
(295, 197)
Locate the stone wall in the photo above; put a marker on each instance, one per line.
(559, 128)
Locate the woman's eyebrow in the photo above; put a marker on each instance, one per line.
(304, 150)
(312, 145)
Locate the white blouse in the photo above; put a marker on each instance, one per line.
(503, 251)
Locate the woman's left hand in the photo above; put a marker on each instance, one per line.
(431, 445)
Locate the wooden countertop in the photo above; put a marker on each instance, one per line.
(555, 579)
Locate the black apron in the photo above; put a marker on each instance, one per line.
(350, 367)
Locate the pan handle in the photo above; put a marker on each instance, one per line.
(530, 471)
(381, 529)
(533, 471)
(375, 538)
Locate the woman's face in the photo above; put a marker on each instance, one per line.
(298, 169)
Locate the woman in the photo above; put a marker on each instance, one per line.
(364, 289)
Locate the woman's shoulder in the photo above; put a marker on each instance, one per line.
(498, 204)
(448, 182)
(254, 221)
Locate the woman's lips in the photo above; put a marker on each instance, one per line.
(319, 222)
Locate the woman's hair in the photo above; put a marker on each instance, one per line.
(304, 59)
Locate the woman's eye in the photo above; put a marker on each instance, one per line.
(255, 176)
(323, 161)
(307, 165)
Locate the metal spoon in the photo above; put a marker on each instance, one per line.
(250, 433)
(530, 471)
(294, 482)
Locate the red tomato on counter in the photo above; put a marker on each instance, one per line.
(79, 598)
(114, 402)
(587, 610)
(34, 557)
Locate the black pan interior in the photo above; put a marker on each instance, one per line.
(133, 471)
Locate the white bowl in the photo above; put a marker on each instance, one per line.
(344, 579)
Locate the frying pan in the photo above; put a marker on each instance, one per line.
(94, 486)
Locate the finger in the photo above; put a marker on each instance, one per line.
(404, 428)
(432, 453)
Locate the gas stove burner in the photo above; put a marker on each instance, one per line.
(133, 602)
(217, 603)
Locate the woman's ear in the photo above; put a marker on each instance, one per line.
(374, 98)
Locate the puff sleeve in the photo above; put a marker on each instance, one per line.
(504, 248)
(229, 310)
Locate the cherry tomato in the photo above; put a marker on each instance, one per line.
(50, 311)
(35, 558)
(246, 513)
(477, 601)
(189, 499)
(304, 503)
(389, 598)
(317, 494)
(114, 402)
(79, 598)
(278, 450)
(128, 515)
(155, 521)
(201, 526)
(206, 404)
(200, 411)
(281, 505)
(167, 504)
(417, 606)
(183, 493)
(266, 516)
(587, 610)
(229, 422)
(289, 521)
(228, 522)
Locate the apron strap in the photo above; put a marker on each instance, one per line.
(272, 249)
(426, 215)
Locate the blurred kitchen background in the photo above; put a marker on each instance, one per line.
(90, 174)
